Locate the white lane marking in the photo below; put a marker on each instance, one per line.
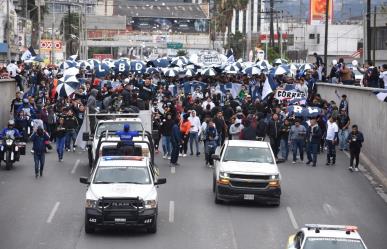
(292, 218)
(173, 170)
(171, 211)
(233, 235)
(75, 166)
(53, 211)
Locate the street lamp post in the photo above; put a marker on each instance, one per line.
(8, 34)
(39, 17)
(326, 37)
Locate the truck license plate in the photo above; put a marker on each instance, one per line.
(120, 220)
(248, 197)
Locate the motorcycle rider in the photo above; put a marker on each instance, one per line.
(10, 130)
(211, 142)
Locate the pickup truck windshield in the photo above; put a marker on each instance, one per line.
(118, 126)
(333, 243)
(248, 154)
(130, 175)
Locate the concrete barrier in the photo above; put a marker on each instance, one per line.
(7, 93)
(370, 114)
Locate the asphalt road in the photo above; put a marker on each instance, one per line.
(48, 213)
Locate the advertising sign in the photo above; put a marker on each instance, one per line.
(317, 12)
(170, 25)
(47, 44)
(102, 56)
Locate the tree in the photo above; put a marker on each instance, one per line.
(70, 27)
(35, 22)
(181, 52)
(237, 43)
(222, 18)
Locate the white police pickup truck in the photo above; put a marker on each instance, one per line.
(109, 124)
(122, 191)
(246, 170)
(316, 236)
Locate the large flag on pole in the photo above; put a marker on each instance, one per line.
(84, 128)
(28, 54)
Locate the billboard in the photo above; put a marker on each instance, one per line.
(317, 12)
(170, 25)
(47, 44)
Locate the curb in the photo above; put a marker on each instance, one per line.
(373, 174)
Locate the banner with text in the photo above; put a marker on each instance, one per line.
(282, 95)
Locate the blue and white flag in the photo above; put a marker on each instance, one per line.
(234, 88)
(73, 57)
(255, 91)
(381, 95)
(28, 54)
(269, 86)
(173, 89)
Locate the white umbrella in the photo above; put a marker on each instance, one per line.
(72, 71)
(68, 85)
(252, 71)
(208, 71)
(171, 72)
(231, 69)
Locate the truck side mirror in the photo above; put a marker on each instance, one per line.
(84, 180)
(161, 181)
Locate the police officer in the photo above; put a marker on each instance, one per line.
(127, 135)
(10, 130)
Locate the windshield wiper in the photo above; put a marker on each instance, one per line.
(103, 182)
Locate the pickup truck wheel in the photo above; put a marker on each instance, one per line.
(153, 227)
(216, 199)
(90, 155)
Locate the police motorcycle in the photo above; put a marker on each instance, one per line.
(11, 148)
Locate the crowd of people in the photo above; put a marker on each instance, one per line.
(186, 120)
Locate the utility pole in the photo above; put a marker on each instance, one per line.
(39, 17)
(52, 37)
(374, 36)
(248, 29)
(368, 29)
(271, 23)
(326, 36)
(8, 34)
(69, 32)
